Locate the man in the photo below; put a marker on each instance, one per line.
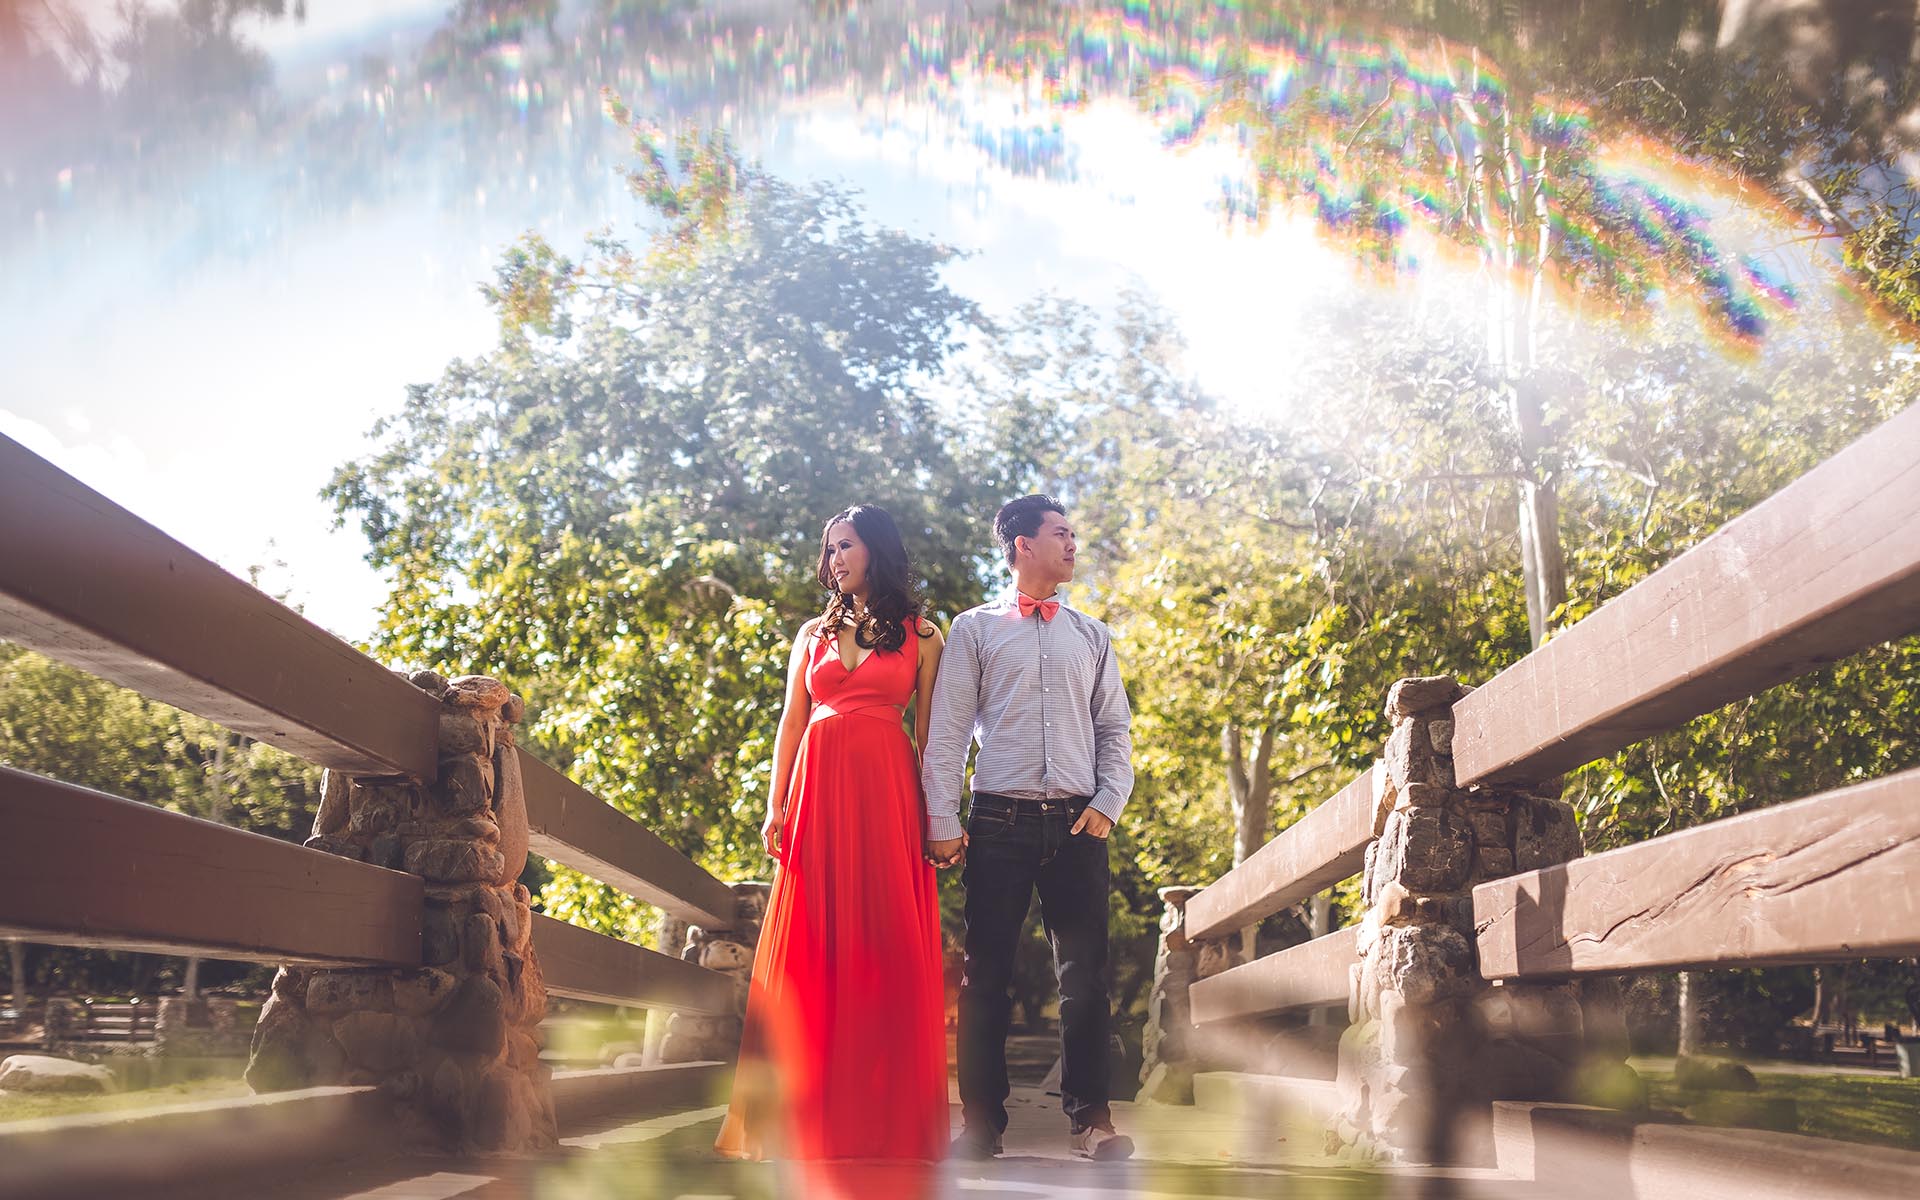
(1035, 684)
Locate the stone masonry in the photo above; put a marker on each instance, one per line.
(1167, 1044)
(456, 1041)
(698, 1037)
(1429, 1038)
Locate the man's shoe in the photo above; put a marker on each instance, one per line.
(1101, 1143)
(975, 1145)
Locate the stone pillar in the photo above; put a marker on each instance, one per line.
(1167, 1044)
(454, 1042)
(702, 1037)
(1430, 1041)
(669, 937)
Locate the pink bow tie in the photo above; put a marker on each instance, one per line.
(1046, 608)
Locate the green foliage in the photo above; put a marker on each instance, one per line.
(65, 724)
(616, 509)
(1282, 573)
(697, 189)
(33, 1106)
(68, 725)
(619, 509)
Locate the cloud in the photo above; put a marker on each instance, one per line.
(115, 467)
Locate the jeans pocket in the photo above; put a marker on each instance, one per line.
(985, 822)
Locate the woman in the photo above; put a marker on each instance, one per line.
(845, 1011)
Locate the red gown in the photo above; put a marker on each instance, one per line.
(844, 1052)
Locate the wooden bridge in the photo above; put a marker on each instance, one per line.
(1473, 989)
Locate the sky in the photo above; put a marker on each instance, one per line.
(216, 400)
(214, 394)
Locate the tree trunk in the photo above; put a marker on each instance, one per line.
(1542, 559)
(218, 804)
(1319, 924)
(1251, 789)
(17, 973)
(1515, 272)
(219, 795)
(1689, 1007)
(1543, 562)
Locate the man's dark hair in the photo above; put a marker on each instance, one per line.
(1023, 518)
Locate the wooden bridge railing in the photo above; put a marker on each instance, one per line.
(1321, 849)
(1827, 567)
(84, 581)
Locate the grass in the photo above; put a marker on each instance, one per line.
(579, 1037)
(32, 1106)
(1876, 1110)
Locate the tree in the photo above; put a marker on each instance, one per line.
(65, 724)
(618, 510)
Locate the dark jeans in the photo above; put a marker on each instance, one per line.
(1015, 846)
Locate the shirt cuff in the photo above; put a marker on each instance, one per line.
(943, 827)
(1108, 805)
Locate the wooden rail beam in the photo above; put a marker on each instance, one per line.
(1314, 853)
(87, 582)
(584, 965)
(1310, 975)
(576, 828)
(1822, 879)
(80, 868)
(1828, 566)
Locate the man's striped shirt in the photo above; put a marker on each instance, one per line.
(1044, 702)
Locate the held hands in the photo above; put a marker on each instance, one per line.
(1093, 822)
(947, 852)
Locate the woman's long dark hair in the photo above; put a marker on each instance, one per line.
(893, 594)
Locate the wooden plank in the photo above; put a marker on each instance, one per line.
(1314, 853)
(1827, 567)
(584, 965)
(583, 1099)
(80, 868)
(576, 828)
(1822, 879)
(85, 581)
(1310, 975)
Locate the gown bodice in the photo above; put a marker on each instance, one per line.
(879, 686)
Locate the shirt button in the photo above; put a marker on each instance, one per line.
(1046, 689)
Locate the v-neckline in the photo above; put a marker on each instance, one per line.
(841, 659)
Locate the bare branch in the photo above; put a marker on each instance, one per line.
(1648, 79)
